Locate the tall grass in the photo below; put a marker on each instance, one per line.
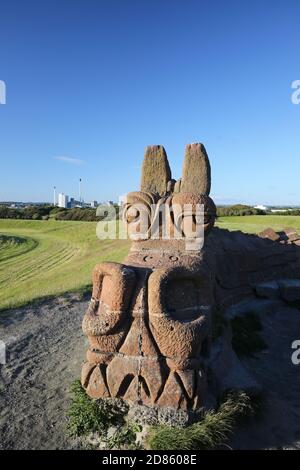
(212, 431)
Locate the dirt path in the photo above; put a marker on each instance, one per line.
(279, 425)
(45, 350)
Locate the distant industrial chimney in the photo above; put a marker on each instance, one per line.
(80, 195)
(54, 196)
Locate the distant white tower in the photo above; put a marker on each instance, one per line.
(80, 194)
(54, 195)
(63, 200)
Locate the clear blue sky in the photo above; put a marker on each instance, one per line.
(98, 80)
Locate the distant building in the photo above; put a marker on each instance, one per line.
(122, 200)
(63, 200)
(94, 204)
(72, 203)
(261, 207)
(280, 210)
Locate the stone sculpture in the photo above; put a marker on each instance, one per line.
(149, 320)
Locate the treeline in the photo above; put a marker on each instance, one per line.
(238, 209)
(45, 212)
(88, 214)
(30, 212)
(288, 212)
(79, 214)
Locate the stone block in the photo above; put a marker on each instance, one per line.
(270, 234)
(290, 290)
(268, 290)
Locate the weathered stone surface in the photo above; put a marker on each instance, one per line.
(227, 370)
(170, 186)
(290, 231)
(290, 290)
(156, 171)
(196, 177)
(268, 290)
(270, 234)
(177, 186)
(294, 237)
(149, 320)
(252, 305)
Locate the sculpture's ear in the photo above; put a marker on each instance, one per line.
(196, 170)
(156, 172)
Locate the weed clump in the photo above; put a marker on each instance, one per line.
(87, 415)
(106, 418)
(212, 431)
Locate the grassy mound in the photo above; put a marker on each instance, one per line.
(12, 246)
(62, 260)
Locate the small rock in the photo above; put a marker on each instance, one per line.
(268, 290)
(270, 234)
(172, 417)
(290, 290)
(142, 415)
(112, 430)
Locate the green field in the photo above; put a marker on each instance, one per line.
(257, 223)
(44, 258)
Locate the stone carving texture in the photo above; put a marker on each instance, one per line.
(149, 319)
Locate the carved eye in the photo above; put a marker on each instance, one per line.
(137, 218)
(132, 214)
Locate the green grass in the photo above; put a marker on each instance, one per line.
(44, 258)
(257, 223)
(87, 416)
(212, 431)
(12, 246)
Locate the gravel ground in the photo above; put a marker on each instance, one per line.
(45, 348)
(279, 425)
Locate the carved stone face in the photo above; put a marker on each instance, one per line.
(148, 322)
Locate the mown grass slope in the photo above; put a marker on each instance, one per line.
(43, 258)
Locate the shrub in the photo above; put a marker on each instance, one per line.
(238, 209)
(28, 213)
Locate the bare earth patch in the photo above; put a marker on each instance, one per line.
(279, 426)
(45, 351)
